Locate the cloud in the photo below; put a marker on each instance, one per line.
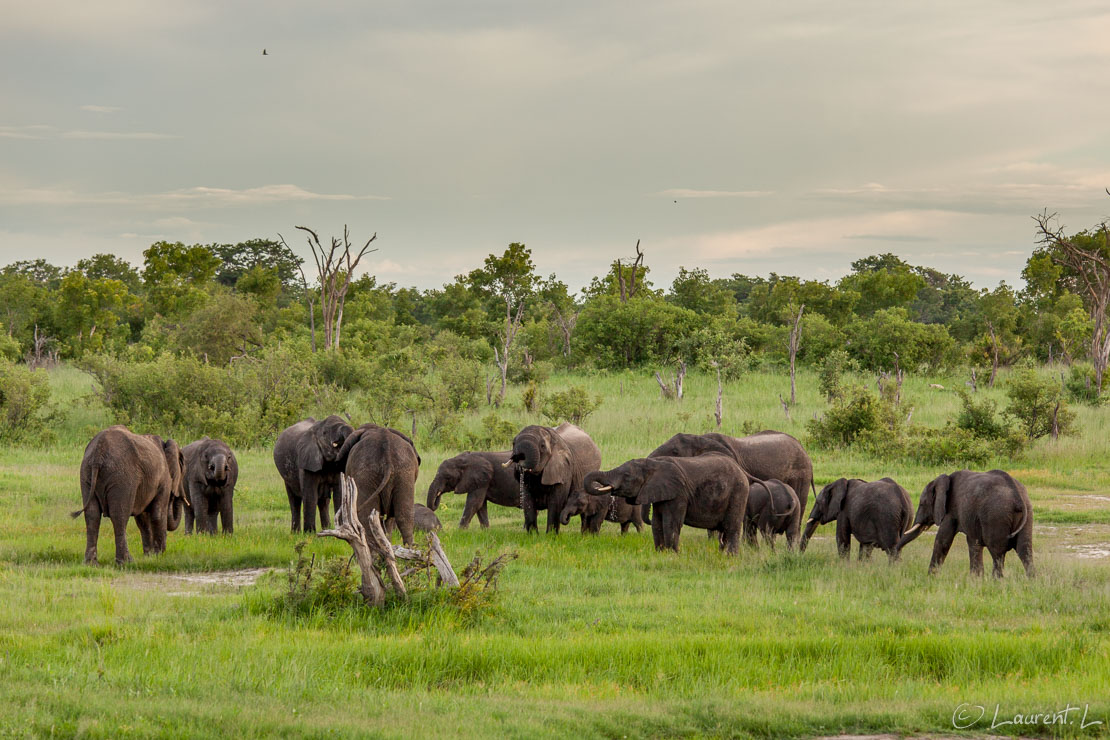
(117, 135)
(101, 108)
(688, 193)
(200, 196)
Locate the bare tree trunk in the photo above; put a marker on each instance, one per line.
(679, 379)
(664, 387)
(994, 355)
(795, 336)
(785, 407)
(974, 383)
(719, 413)
(512, 326)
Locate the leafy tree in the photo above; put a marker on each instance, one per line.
(176, 276)
(882, 281)
(88, 311)
(223, 328)
(261, 283)
(39, 271)
(692, 289)
(110, 267)
(875, 340)
(239, 259)
(1037, 403)
(612, 334)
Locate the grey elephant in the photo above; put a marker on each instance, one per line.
(765, 455)
(596, 510)
(876, 513)
(771, 511)
(550, 464)
(483, 477)
(211, 471)
(126, 475)
(992, 509)
(708, 492)
(307, 458)
(384, 464)
(423, 520)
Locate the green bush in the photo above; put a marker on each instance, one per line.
(25, 412)
(496, 434)
(1034, 401)
(9, 346)
(980, 418)
(1081, 386)
(573, 405)
(830, 373)
(855, 413)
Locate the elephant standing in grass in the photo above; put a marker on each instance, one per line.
(126, 475)
(765, 455)
(384, 464)
(876, 513)
(771, 511)
(210, 475)
(595, 510)
(992, 510)
(483, 477)
(708, 491)
(307, 458)
(550, 464)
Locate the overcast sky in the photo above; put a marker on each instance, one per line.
(795, 137)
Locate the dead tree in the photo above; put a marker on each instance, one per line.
(672, 387)
(1091, 269)
(309, 303)
(42, 354)
(795, 338)
(566, 325)
(996, 349)
(512, 326)
(628, 287)
(719, 412)
(335, 266)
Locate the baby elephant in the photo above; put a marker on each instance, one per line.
(770, 512)
(876, 513)
(595, 510)
(423, 520)
(210, 475)
(991, 509)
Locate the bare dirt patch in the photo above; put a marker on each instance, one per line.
(195, 584)
(1091, 552)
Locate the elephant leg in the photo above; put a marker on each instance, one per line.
(975, 555)
(528, 505)
(843, 537)
(946, 533)
(793, 533)
(199, 511)
(325, 511)
(310, 500)
(865, 551)
(677, 514)
(92, 530)
(1025, 553)
(999, 558)
(750, 533)
(142, 521)
(473, 504)
(657, 528)
(119, 516)
(483, 515)
(624, 528)
(158, 527)
(294, 508)
(227, 515)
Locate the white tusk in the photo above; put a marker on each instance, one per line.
(912, 529)
(507, 463)
(604, 488)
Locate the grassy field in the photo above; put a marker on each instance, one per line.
(591, 636)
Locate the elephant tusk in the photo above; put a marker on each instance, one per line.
(811, 520)
(507, 463)
(912, 529)
(604, 488)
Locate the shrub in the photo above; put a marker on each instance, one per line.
(9, 346)
(531, 398)
(496, 434)
(1081, 387)
(1035, 401)
(830, 373)
(980, 418)
(25, 413)
(855, 413)
(573, 405)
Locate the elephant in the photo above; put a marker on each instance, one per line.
(383, 463)
(992, 509)
(423, 520)
(707, 491)
(483, 477)
(126, 475)
(550, 464)
(770, 512)
(876, 513)
(307, 458)
(595, 510)
(210, 474)
(765, 455)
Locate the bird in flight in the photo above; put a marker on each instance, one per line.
(264, 53)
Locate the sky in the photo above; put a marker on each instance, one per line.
(749, 137)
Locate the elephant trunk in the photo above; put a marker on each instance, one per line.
(910, 535)
(173, 518)
(527, 455)
(435, 492)
(811, 527)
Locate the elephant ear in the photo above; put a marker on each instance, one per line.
(476, 476)
(836, 498)
(309, 456)
(940, 497)
(557, 469)
(661, 484)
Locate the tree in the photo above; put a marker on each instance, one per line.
(694, 290)
(176, 276)
(39, 271)
(564, 310)
(882, 281)
(507, 281)
(110, 267)
(334, 268)
(87, 311)
(1085, 262)
(239, 259)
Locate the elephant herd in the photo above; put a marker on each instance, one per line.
(734, 488)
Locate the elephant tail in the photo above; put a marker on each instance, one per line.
(1024, 519)
(377, 491)
(793, 505)
(87, 493)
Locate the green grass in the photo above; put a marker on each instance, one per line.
(591, 636)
